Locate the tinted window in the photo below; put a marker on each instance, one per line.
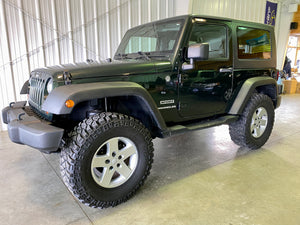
(253, 43)
(214, 35)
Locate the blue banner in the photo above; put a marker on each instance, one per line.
(271, 10)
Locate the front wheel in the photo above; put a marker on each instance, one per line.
(254, 127)
(107, 159)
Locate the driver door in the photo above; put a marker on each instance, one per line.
(205, 89)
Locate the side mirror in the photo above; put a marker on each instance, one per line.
(197, 51)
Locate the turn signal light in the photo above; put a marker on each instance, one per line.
(70, 103)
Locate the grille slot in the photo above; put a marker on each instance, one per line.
(37, 88)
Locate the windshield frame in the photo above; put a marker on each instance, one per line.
(169, 54)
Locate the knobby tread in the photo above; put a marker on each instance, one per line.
(78, 142)
(240, 130)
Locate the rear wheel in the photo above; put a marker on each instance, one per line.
(107, 159)
(254, 127)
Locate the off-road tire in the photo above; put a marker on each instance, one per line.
(82, 146)
(240, 130)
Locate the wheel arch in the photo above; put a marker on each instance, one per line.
(25, 88)
(132, 95)
(264, 85)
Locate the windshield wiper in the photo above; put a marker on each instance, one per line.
(145, 55)
(122, 56)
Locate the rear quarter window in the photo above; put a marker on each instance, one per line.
(253, 43)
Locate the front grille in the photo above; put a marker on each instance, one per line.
(38, 81)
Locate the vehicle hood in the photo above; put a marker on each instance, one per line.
(99, 71)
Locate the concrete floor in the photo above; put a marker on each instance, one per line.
(197, 178)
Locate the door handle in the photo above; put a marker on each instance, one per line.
(226, 70)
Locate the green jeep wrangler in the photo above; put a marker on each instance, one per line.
(167, 77)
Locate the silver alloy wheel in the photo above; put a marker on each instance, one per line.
(114, 162)
(259, 122)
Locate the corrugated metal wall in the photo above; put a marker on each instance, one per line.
(253, 10)
(38, 33)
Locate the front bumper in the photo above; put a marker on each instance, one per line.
(29, 130)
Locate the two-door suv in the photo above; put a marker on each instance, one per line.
(167, 77)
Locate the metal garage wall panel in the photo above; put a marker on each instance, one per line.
(238, 9)
(134, 12)
(30, 27)
(18, 46)
(90, 30)
(144, 11)
(6, 72)
(77, 31)
(63, 31)
(50, 44)
(124, 17)
(154, 13)
(162, 9)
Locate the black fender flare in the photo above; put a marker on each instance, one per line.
(25, 88)
(248, 88)
(55, 102)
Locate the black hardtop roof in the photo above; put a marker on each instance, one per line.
(238, 22)
(235, 21)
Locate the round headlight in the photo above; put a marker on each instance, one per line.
(49, 85)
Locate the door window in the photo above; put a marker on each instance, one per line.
(213, 34)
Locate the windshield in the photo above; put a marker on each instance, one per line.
(151, 40)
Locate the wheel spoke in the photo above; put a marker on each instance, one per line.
(113, 145)
(261, 112)
(107, 176)
(100, 161)
(124, 170)
(128, 151)
(257, 132)
(263, 122)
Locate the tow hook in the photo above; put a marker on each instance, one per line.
(20, 116)
(11, 104)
